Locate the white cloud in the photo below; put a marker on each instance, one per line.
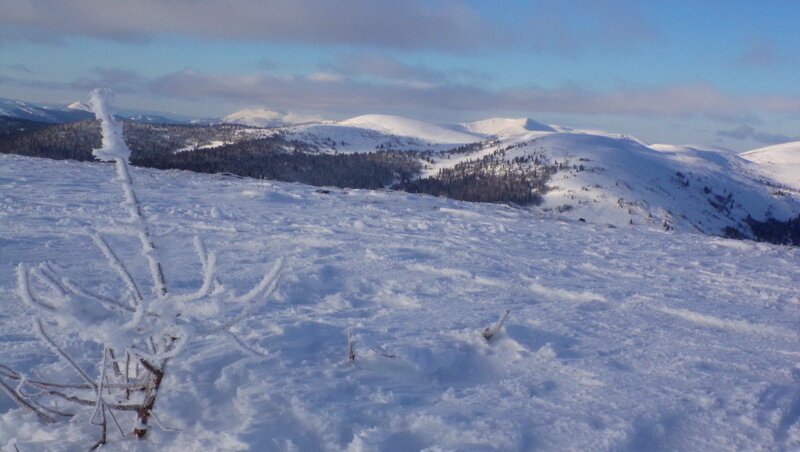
(325, 77)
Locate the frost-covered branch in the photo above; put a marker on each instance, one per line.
(118, 266)
(60, 352)
(115, 149)
(150, 328)
(23, 402)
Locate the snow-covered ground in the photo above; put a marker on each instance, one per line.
(618, 339)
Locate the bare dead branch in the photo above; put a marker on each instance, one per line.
(351, 354)
(144, 411)
(489, 332)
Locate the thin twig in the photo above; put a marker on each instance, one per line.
(118, 266)
(24, 287)
(24, 403)
(246, 347)
(63, 354)
(351, 354)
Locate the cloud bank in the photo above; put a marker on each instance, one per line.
(449, 25)
(340, 94)
(748, 132)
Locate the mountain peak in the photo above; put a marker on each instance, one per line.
(79, 105)
(398, 125)
(504, 127)
(779, 161)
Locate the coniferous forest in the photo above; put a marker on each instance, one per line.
(489, 179)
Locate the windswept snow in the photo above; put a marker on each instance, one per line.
(781, 162)
(618, 339)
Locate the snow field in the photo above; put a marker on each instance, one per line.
(780, 161)
(618, 339)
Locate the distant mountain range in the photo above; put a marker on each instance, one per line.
(572, 174)
(76, 111)
(50, 114)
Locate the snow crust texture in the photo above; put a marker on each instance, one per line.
(617, 340)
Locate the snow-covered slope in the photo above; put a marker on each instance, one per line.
(504, 127)
(617, 180)
(781, 162)
(617, 340)
(399, 126)
(369, 133)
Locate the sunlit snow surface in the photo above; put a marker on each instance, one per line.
(618, 339)
(782, 161)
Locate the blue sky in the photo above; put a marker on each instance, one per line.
(714, 72)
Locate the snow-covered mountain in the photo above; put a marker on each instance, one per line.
(399, 126)
(618, 180)
(369, 133)
(617, 340)
(373, 132)
(599, 177)
(42, 113)
(80, 105)
(506, 127)
(76, 111)
(780, 161)
(604, 178)
(261, 117)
